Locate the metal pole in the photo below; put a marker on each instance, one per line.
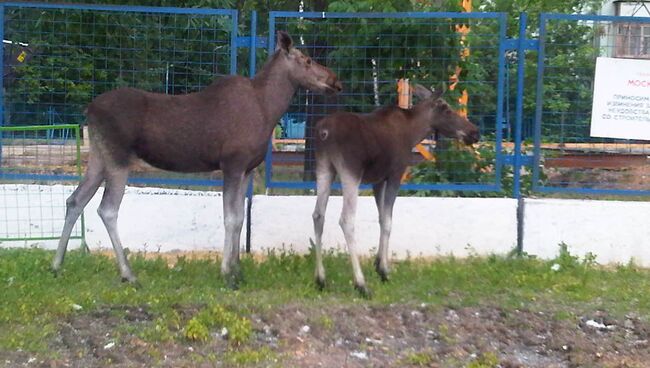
(268, 159)
(521, 59)
(233, 42)
(539, 100)
(500, 96)
(2, 97)
(249, 191)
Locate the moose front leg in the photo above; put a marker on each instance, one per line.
(234, 193)
(324, 178)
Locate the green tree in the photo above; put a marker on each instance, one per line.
(82, 53)
(571, 50)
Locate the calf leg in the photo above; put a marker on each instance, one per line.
(75, 205)
(350, 185)
(385, 224)
(378, 191)
(234, 192)
(324, 178)
(108, 210)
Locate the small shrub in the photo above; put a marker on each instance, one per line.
(485, 360)
(326, 322)
(247, 356)
(419, 359)
(196, 331)
(239, 328)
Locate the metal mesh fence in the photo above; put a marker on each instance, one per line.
(569, 158)
(30, 207)
(77, 52)
(369, 53)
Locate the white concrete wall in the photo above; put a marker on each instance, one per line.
(421, 226)
(167, 220)
(615, 231)
(157, 219)
(149, 218)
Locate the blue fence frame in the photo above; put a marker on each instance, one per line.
(517, 160)
(603, 24)
(499, 108)
(233, 14)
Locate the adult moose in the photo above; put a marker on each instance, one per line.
(224, 127)
(375, 149)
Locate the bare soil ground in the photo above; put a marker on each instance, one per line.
(630, 178)
(363, 336)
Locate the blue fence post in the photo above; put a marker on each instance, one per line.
(519, 111)
(519, 105)
(251, 72)
(500, 95)
(2, 68)
(268, 160)
(539, 101)
(233, 42)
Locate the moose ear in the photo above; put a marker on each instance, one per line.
(422, 92)
(283, 41)
(438, 93)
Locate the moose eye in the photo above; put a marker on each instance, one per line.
(308, 61)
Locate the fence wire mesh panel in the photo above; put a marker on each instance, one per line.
(32, 159)
(567, 158)
(370, 52)
(72, 53)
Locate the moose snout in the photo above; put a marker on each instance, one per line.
(333, 83)
(472, 137)
(338, 86)
(335, 86)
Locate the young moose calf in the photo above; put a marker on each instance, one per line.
(375, 149)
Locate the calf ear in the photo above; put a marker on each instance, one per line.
(283, 41)
(422, 92)
(437, 93)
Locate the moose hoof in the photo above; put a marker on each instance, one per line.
(233, 280)
(320, 283)
(55, 272)
(382, 271)
(383, 275)
(130, 279)
(364, 291)
(232, 275)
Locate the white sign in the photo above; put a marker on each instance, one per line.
(621, 105)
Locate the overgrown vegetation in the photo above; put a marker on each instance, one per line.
(187, 302)
(457, 164)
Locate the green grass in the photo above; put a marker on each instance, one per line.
(32, 301)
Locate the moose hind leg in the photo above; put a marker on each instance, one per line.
(324, 178)
(348, 214)
(385, 225)
(75, 205)
(108, 210)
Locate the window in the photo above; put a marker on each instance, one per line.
(633, 40)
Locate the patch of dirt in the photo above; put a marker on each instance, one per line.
(359, 336)
(632, 178)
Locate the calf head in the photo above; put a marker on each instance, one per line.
(444, 119)
(303, 71)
